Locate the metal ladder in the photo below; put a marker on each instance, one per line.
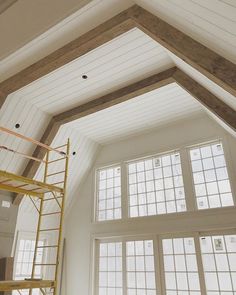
(57, 199)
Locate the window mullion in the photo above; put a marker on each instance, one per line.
(188, 180)
(159, 266)
(124, 191)
(200, 264)
(124, 271)
(97, 264)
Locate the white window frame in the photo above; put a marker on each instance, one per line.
(187, 175)
(147, 157)
(21, 235)
(96, 190)
(229, 168)
(158, 256)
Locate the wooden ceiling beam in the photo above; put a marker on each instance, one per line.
(96, 37)
(151, 83)
(206, 61)
(206, 98)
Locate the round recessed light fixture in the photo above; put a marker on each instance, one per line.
(17, 125)
(84, 77)
(74, 153)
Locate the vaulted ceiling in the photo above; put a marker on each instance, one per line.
(130, 57)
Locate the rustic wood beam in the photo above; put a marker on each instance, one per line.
(151, 83)
(206, 61)
(206, 98)
(209, 63)
(96, 37)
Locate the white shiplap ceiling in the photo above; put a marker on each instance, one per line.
(118, 63)
(147, 111)
(211, 22)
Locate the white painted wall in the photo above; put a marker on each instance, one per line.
(7, 225)
(80, 230)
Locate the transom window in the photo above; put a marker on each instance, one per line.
(109, 193)
(210, 175)
(156, 186)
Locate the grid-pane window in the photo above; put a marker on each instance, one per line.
(180, 266)
(110, 269)
(219, 263)
(24, 262)
(109, 193)
(211, 181)
(140, 268)
(156, 186)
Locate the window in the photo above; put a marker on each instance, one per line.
(156, 186)
(140, 268)
(219, 262)
(180, 265)
(110, 269)
(109, 193)
(184, 265)
(211, 181)
(24, 262)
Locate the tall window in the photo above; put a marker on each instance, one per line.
(138, 269)
(219, 262)
(184, 265)
(180, 263)
(156, 186)
(109, 193)
(110, 269)
(24, 262)
(211, 180)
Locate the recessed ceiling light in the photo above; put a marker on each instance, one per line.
(84, 77)
(17, 125)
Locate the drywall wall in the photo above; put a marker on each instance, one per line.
(18, 26)
(80, 230)
(7, 224)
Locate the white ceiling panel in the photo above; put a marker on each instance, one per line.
(32, 122)
(126, 59)
(211, 22)
(79, 164)
(137, 115)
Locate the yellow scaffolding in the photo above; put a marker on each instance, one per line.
(41, 194)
